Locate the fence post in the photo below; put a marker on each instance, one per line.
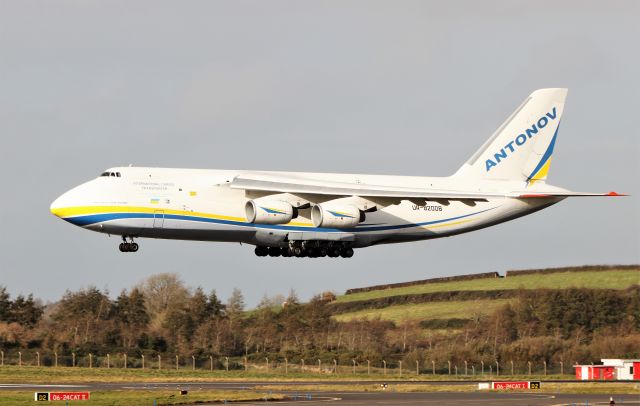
(1, 358)
(449, 363)
(176, 362)
(108, 361)
(455, 367)
(286, 366)
(417, 367)
(545, 368)
(73, 359)
(561, 368)
(193, 362)
(529, 364)
(511, 367)
(482, 364)
(267, 359)
(159, 362)
(497, 368)
(246, 367)
(335, 366)
(368, 367)
(19, 358)
(400, 368)
(226, 363)
(302, 365)
(90, 360)
(384, 367)
(473, 370)
(319, 362)
(55, 354)
(353, 361)
(465, 368)
(433, 366)
(38, 357)
(211, 362)
(124, 356)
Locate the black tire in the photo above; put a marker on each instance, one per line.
(274, 251)
(260, 251)
(347, 253)
(322, 252)
(134, 247)
(297, 251)
(121, 247)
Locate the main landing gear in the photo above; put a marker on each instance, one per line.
(309, 249)
(128, 246)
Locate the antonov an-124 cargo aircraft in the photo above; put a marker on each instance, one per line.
(294, 214)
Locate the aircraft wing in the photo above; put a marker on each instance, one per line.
(564, 194)
(306, 186)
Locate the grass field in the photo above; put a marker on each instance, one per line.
(145, 397)
(66, 375)
(547, 387)
(423, 311)
(617, 279)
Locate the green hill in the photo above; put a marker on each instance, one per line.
(472, 296)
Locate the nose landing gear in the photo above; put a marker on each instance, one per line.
(128, 246)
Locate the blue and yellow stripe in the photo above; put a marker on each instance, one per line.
(88, 215)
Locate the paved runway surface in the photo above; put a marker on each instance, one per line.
(340, 398)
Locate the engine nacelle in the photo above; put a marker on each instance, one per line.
(330, 216)
(269, 211)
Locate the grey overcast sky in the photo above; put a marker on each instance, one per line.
(398, 87)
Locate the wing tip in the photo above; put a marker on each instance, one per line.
(616, 194)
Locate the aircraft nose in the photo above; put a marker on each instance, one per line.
(58, 205)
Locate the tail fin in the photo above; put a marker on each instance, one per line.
(522, 146)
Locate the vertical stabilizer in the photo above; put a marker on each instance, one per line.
(521, 148)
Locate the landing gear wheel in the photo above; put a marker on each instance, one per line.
(334, 252)
(261, 251)
(274, 251)
(297, 251)
(122, 247)
(347, 253)
(133, 247)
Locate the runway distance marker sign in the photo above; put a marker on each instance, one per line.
(64, 396)
(510, 385)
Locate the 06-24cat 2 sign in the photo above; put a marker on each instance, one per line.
(509, 385)
(64, 396)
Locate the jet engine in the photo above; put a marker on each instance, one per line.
(269, 212)
(330, 216)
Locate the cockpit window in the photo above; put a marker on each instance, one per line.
(114, 174)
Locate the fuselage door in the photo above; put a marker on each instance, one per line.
(158, 218)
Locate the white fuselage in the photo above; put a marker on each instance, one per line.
(191, 204)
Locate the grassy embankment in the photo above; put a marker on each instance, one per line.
(466, 309)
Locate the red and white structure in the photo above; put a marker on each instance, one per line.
(610, 370)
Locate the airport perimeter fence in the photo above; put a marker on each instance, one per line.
(279, 365)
